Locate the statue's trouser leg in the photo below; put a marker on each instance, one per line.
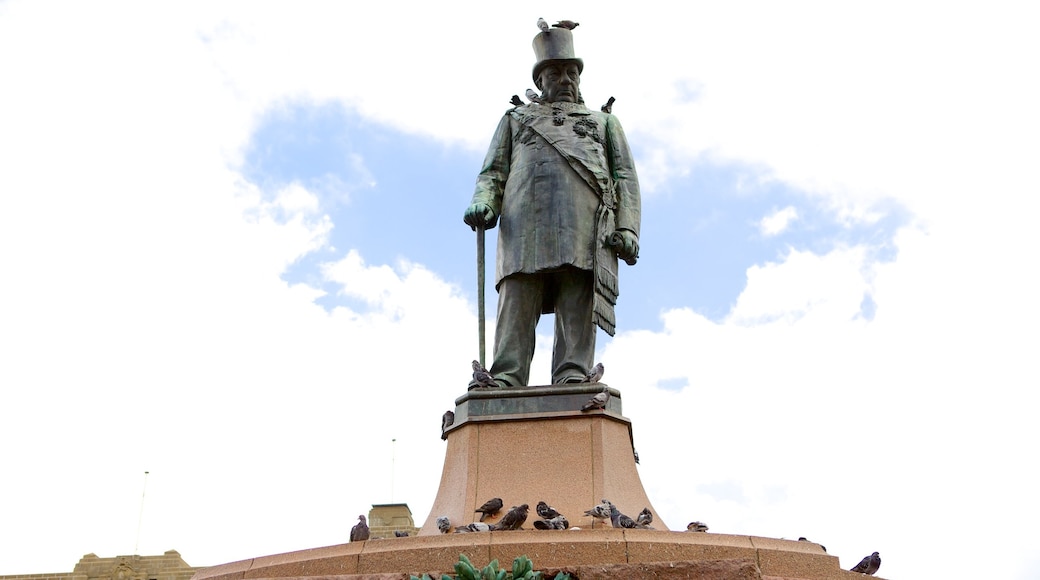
(519, 307)
(574, 346)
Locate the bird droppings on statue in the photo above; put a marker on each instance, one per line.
(490, 508)
(359, 533)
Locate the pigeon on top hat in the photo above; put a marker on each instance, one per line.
(553, 46)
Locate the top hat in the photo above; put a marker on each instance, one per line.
(553, 46)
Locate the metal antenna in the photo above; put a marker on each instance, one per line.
(140, 514)
(393, 457)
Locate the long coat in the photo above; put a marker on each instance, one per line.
(561, 179)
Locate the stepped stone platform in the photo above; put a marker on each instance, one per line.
(588, 554)
(530, 444)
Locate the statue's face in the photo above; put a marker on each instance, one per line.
(560, 82)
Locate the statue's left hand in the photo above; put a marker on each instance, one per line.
(626, 244)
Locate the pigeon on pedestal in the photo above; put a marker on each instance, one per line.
(868, 565)
(490, 507)
(359, 533)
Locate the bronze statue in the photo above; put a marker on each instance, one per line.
(560, 182)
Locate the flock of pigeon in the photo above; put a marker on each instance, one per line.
(549, 518)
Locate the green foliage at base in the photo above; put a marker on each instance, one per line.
(523, 569)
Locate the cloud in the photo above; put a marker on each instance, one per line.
(778, 221)
(147, 324)
(805, 285)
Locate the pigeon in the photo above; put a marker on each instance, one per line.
(600, 512)
(868, 565)
(608, 106)
(490, 507)
(443, 524)
(481, 376)
(804, 539)
(515, 101)
(543, 25)
(555, 523)
(532, 96)
(696, 527)
(475, 527)
(514, 518)
(597, 402)
(620, 520)
(359, 533)
(546, 511)
(635, 455)
(568, 24)
(645, 518)
(447, 420)
(595, 374)
(400, 534)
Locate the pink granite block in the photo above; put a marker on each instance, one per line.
(419, 554)
(659, 546)
(326, 561)
(547, 548)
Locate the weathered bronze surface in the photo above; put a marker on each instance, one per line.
(560, 183)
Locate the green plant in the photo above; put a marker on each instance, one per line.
(523, 569)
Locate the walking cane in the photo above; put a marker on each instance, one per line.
(480, 291)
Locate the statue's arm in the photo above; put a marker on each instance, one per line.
(626, 184)
(486, 205)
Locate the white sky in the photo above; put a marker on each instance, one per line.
(145, 325)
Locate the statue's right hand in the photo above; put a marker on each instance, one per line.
(480, 214)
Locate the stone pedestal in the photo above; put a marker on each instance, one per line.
(535, 444)
(531, 444)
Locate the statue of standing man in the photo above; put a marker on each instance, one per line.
(560, 182)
